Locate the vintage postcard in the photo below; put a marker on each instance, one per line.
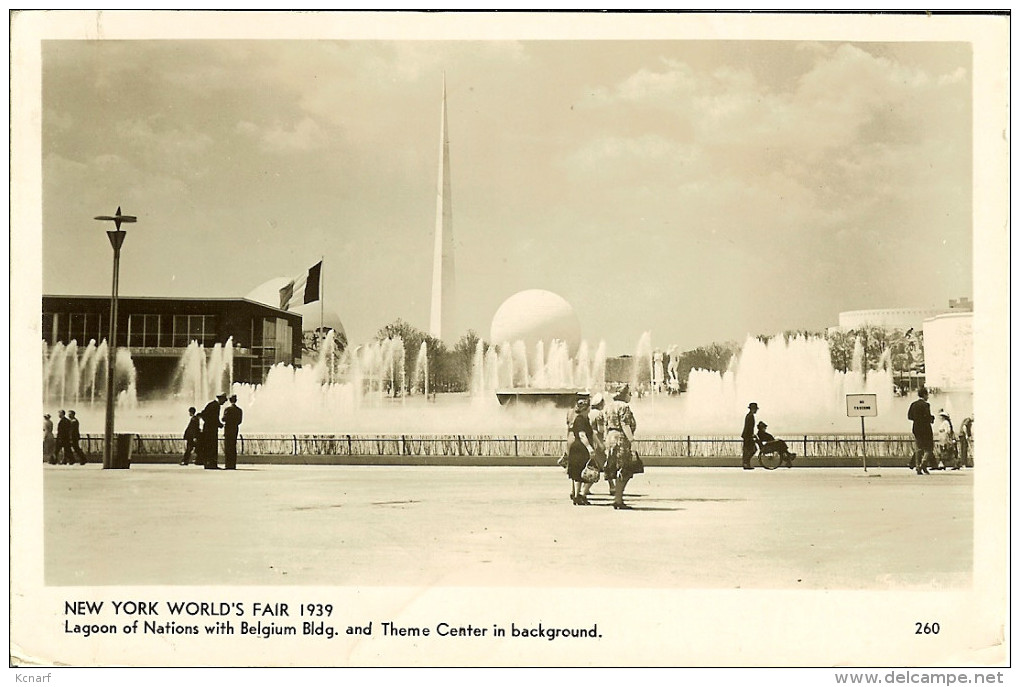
(435, 339)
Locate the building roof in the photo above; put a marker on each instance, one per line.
(167, 299)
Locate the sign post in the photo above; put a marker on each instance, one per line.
(862, 406)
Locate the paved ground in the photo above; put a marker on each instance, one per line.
(469, 526)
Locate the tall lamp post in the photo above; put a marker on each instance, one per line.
(116, 240)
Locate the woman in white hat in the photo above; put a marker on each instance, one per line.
(946, 442)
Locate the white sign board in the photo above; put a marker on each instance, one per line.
(861, 405)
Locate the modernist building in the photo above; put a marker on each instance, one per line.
(949, 351)
(158, 330)
(899, 318)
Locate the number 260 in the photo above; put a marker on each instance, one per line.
(926, 628)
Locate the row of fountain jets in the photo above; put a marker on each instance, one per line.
(75, 375)
(799, 367)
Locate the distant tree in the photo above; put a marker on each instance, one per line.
(715, 357)
(801, 333)
(874, 342)
(841, 349)
(461, 361)
(412, 338)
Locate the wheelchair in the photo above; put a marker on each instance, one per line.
(771, 457)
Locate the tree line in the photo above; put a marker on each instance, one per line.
(450, 369)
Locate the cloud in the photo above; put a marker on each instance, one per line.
(301, 136)
(651, 86)
(247, 128)
(614, 150)
(175, 150)
(844, 90)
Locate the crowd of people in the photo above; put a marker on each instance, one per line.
(201, 436)
(600, 440)
(64, 447)
(600, 436)
(938, 446)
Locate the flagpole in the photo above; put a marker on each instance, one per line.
(322, 295)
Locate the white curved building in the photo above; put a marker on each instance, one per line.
(888, 318)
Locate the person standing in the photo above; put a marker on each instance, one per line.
(579, 448)
(191, 437)
(967, 442)
(74, 440)
(597, 418)
(231, 421)
(64, 455)
(209, 442)
(749, 448)
(769, 444)
(49, 442)
(620, 428)
(920, 415)
(949, 458)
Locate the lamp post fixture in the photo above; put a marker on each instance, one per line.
(116, 240)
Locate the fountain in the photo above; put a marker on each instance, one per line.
(421, 367)
(793, 382)
(373, 388)
(71, 379)
(546, 377)
(642, 374)
(199, 377)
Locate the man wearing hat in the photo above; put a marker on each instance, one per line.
(750, 448)
(231, 421)
(769, 444)
(209, 443)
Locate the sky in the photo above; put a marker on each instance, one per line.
(698, 190)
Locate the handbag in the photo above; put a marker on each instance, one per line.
(562, 461)
(590, 474)
(636, 467)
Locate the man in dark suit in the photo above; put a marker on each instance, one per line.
(209, 443)
(750, 448)
(191, 438)
(64, 454)
(231, 421)
(920, 415)
(74, 438)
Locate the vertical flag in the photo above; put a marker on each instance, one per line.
(302, 289)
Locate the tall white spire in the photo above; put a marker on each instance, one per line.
(443, 283)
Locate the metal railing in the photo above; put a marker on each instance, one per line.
(828, 445)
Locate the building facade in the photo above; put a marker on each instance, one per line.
(900, 318)
(949, 352)
(158, 331)
(887, 318)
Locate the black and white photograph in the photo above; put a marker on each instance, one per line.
(568, 339)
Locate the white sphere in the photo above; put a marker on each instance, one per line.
(536, 315)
